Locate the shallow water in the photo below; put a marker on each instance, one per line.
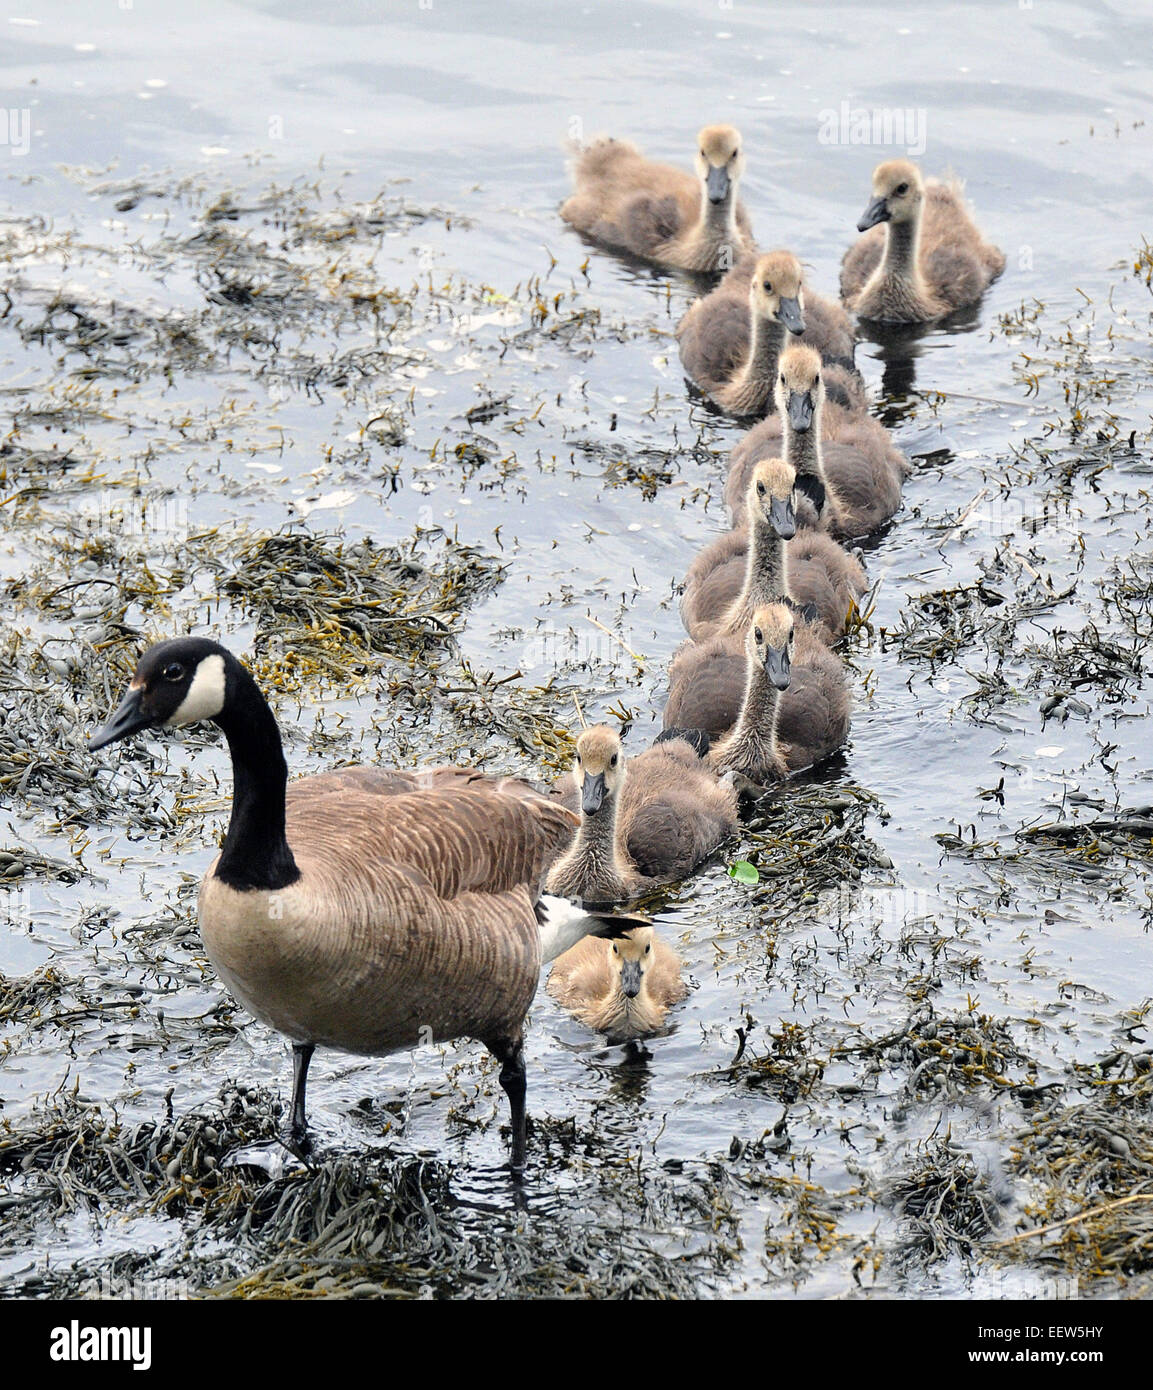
(599, 480)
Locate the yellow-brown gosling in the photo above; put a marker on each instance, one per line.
(366, 909)
(921, 256)
(689, 221)
(622, 988)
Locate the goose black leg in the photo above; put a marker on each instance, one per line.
(298, 1128)
(512, 1080)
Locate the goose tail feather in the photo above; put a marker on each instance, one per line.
(563, 924)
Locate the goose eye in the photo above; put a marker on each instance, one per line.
(901, 188)
(173, 671)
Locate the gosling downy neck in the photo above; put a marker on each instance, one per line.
(751, 746)
(803, 412)
(898, 284)
(765, 572)
(255, 854)
(593, 869)
(753, 385)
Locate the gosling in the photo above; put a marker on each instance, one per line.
(766, 561)
(776, 734)
(713, 684)
(623, 988)
(629, 203)
(921, 256)
(850, 459)
(643, 823)
(731, 340)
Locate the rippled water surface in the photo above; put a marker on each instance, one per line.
(288, 263)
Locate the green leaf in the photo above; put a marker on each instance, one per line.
(744, 872)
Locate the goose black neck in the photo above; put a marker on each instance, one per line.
(255, 853)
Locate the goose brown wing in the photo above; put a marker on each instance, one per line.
(460, 831)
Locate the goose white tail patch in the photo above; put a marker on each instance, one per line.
(205, 698)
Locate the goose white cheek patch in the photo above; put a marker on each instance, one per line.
(205, 698)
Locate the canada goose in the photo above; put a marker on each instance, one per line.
(776, 733)
(730, 341)
(366, 909)
(644, 822)
(709, 682)
(921, 256)
(767, 561)
(623, 988)
(630, 203)
(859, 469)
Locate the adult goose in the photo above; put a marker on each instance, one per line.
(921, 256)
(366, 909)
(688, 221)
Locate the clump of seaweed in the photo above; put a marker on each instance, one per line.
(1090, 1170)
(947, 1053)
(810, 838)
(944, 1205)
(315, 594)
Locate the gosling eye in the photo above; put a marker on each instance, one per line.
(648, 949)
(616, 951)
(783, 381)
(703, 156)
(901, 188)
(758, 636)
(580, 761)
(761, 489)
(767, 287)
(613, 760)
(174, 671)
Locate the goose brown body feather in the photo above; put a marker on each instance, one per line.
(414, 910)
